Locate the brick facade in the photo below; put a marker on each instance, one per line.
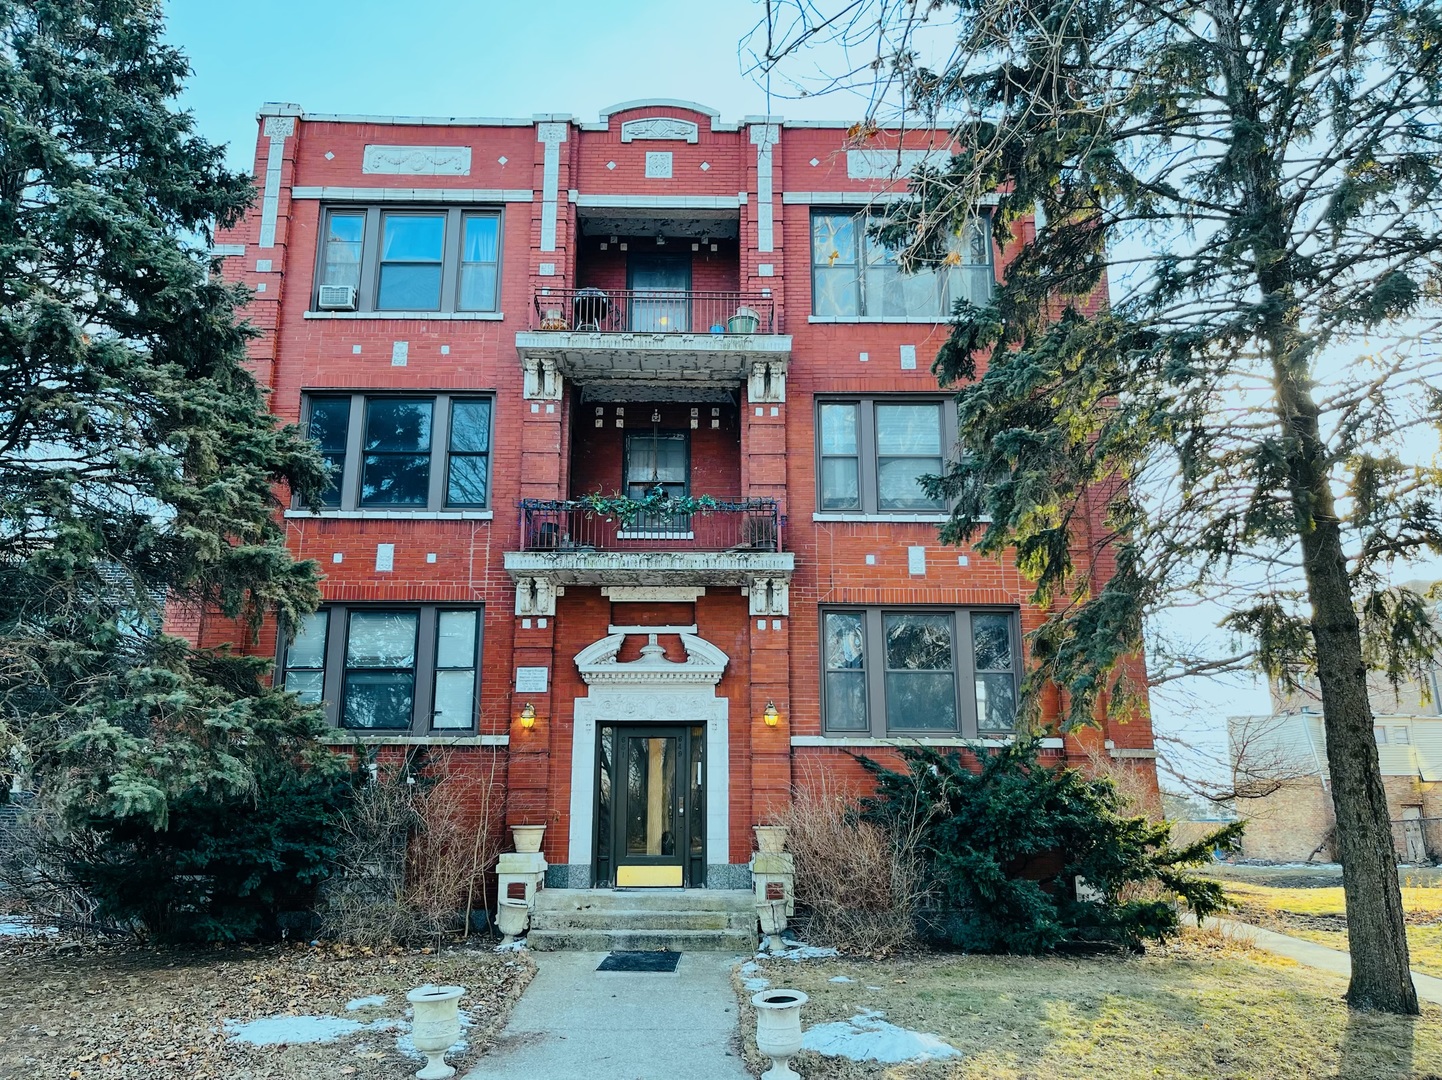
(570, 194)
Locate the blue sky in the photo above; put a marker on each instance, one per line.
(451, 57)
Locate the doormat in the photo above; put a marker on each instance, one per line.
(640, 961)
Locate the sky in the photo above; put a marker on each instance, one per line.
(459, 58)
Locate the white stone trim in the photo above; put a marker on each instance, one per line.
(924, 740)
(431, 316)
(898, 519)
(419, 121)
(663, 103)
(478, 196)
(650, 690)
(392, 515)
(337, 737)
(225, 251)
(660, 128)
(659, 202)
(277, 129)
(921, 320)
(551, 136)
(653, 594)
(407, 160)
(765, 137)
(856, 198)
(1147, 754)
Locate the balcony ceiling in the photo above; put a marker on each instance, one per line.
(688, 224)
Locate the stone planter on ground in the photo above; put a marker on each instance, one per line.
(778, 1030)
(436, 1027)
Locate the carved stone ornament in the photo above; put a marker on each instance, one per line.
(703, 665)
(770, 596)
(279, 127)
(417, 160)
(542, 381)
(535, 596)
(660, 128)
(767, 381)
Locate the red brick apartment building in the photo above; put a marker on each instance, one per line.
(482, 321)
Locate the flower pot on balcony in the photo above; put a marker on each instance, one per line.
(778, 1030)
(436, 1027)
(528, 837)
(770, 838)
(745, 321)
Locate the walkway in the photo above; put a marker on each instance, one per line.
(1429, 987)
(575, 1021)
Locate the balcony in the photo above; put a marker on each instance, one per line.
(610, 340)
(568, 542)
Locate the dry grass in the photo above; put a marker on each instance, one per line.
(1320, 915)
(860, 884)
(1203, 1007)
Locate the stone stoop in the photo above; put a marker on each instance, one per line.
(680, 920)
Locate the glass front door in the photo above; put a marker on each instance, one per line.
(650, 812)
(659, 287)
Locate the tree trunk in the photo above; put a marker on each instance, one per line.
(1376, 930)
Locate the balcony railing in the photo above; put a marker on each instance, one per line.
(646, 311)
(574, 526)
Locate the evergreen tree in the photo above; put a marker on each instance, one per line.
(1262, 180)
(138, 461)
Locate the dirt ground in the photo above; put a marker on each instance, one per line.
(75, 1012)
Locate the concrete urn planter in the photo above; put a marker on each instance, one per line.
(770, 839)
(778, 1030)
(512, 917)
(528, 837)
(436, 1027)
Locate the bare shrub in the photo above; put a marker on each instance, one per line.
(861, 884)
(415, 844)
(35, 879)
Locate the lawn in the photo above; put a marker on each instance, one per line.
(70, 1012)
(1319, 915)
(1199, 1008)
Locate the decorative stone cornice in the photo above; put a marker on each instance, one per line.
(703, 666)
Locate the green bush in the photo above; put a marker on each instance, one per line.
(225, 868)
(1003, 847)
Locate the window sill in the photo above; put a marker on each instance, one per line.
(454, 316)
(919, 740)
(394, 515)
(339, 737)
(900, 320)
(927, 519)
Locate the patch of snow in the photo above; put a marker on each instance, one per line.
(756, 984)
(873, 988)
(867, 1037)
(515, 946)
(841, 978)
(802, 952)
(275, 1030)
(364, 1003)
(751, 967)
(18, 926)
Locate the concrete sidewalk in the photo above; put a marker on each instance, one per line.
(575, 1021)
(1429, 988)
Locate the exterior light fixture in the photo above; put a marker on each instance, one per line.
(770, 715)
(528, 716)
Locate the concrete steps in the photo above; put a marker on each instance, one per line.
(680, 920)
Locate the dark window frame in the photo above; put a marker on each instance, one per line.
(874, 670)
(368, 290)
(338, 621)
(353, 459)
(868, 460)
(947, 275)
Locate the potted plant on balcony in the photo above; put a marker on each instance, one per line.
(745, 321)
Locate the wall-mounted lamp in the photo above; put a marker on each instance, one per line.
(528, 716)
(770, 715)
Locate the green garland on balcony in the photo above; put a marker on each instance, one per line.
(656, 503)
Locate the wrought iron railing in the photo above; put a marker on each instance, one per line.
(648, 311)
(574, 525)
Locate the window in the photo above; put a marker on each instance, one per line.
(855, 276)
(657, 460)
(871, 454)
(1379, 736)
(408, 670)
(919, 672)
(403, 452)
(445, 260)
(1401, 736)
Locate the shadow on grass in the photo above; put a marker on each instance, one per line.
(1362, 1048)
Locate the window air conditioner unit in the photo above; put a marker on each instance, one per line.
(337, 298)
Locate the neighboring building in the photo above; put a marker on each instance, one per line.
(483, 321)
(1280, 772)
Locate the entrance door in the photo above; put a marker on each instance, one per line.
(659, 301)
(651, 812)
